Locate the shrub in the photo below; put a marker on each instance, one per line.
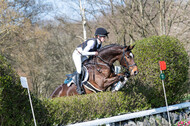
(148, 52)
(92, 106)
(14, 103)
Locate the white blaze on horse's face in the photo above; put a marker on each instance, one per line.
(132, 67)
(131, 54)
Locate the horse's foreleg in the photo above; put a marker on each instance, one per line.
(111, 80)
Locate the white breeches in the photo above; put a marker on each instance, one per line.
(77, 61)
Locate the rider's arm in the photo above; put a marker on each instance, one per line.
(90, 45)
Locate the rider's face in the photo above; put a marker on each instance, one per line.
(102, 38)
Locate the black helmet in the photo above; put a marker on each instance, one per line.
(101, 32)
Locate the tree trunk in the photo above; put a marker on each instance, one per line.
(83, 21)
(162, 17)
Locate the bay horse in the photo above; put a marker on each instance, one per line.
(100, 70)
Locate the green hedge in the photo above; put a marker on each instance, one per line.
(148, 52)
(14, 103)
(74, 109)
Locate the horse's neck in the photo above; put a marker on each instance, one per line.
(110, 56)
(107, 55)
(108, 60)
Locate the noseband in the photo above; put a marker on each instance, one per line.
(128, 66)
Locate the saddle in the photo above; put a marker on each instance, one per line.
(71, 78)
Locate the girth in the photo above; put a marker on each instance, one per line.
(89, 86)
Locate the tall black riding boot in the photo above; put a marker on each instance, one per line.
(78, 83)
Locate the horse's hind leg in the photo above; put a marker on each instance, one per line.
(56, 92)
(68, 91)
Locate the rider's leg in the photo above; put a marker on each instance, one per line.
(78, 65)
(78, 83)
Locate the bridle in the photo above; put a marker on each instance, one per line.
(123, 57)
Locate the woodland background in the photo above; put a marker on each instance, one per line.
(41, 49)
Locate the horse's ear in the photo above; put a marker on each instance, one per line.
(128, 48)
(131, 47)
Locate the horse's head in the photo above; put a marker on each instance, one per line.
(110, 53)
(127, 60)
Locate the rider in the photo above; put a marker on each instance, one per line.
(87, 48)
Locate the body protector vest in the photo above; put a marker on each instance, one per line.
(95, 48)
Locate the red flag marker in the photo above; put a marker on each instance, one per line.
(162, 77)
(162, 65)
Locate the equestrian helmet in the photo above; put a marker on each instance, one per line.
(101, 32)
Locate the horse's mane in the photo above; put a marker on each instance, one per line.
(108, 46)
(112, 48)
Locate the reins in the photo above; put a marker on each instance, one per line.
(103, 61)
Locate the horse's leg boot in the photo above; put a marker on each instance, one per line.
(78, 83)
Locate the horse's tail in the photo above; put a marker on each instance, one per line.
(56, 92)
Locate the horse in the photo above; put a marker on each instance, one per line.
(100, 72)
